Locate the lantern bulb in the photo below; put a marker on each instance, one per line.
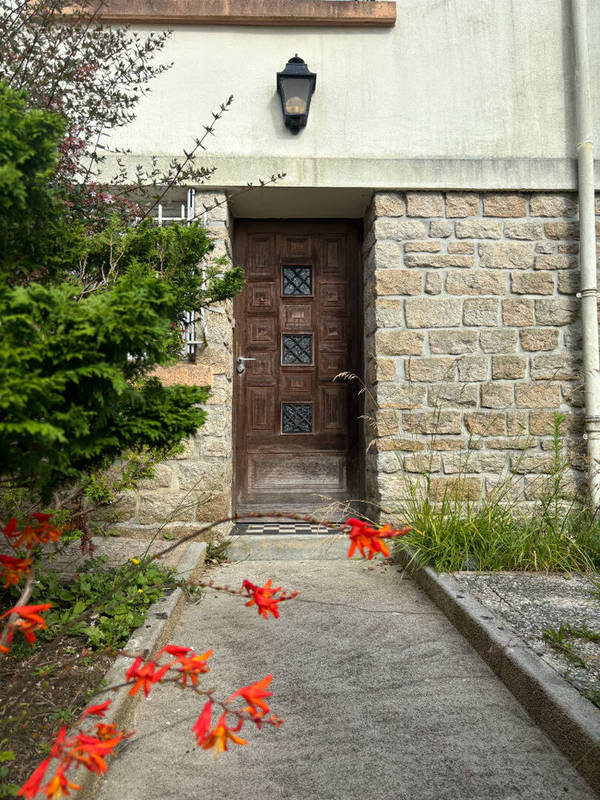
(295, 105)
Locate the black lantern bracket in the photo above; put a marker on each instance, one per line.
(295, 86)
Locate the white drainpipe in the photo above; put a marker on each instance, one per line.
(587, 222)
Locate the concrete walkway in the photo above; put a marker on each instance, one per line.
(382, 698)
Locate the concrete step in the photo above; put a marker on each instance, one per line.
(294, 547)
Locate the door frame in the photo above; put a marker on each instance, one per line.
(302, 225)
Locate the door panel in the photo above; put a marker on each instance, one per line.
(296, 430)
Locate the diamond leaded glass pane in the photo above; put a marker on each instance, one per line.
(297, 348)
(297, 281)
(296, 418)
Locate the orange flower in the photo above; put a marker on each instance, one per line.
(364, 536)
(106, 731)
(91, 751)
(218, 737)
(84, 748)
(59, 785)
(144, 675)
(14, 569)
(29, 622)
(41, 531)
(192, 666)
(253, 695)
(264, 597)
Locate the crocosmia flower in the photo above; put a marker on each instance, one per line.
(365, 537)
(32, 785)
(202, 725)
(144, 675)
(193, 665)
(59, 785)
(38, 529)
(265, 597)
(13, 569)
(254, 695)
(30, 620)
(96, 711)
(217, 739)
(92, 750)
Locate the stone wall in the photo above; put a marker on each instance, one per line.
(473, 341)
(196, 485)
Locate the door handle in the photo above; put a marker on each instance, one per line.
(239, 364)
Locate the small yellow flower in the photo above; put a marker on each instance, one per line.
(135, 561)
(140, 591)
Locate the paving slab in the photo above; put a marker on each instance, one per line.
(382, 697)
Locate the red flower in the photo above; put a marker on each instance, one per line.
(57, 747)
(144, 675)
(218, 737)
(96, 711)
(192, 666)
(264, 597)
(10, 529)
(202, 725)
(253, 695)
(32, 785)
(29, 622)
(40, 518)
(91, 751)
(174, 650)
(364, 536)
(14, 569)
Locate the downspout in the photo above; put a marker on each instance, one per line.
(587, 234)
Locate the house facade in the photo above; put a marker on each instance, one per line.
(425, 238)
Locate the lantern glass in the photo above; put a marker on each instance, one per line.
(295, 85)
(295, 92)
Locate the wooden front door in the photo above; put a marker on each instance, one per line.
(296, 429)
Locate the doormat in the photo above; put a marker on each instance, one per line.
(281, 529)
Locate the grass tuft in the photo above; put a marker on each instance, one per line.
(494, 533)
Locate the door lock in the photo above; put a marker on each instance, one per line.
(239, 364)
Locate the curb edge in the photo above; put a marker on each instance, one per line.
(148, 638)
(569, 720)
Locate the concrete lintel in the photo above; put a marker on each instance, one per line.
(477, 174)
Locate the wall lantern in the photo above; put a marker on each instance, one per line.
(295, 86)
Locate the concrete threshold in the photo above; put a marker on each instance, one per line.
(273, 547)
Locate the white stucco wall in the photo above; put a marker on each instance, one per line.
(459, 94)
